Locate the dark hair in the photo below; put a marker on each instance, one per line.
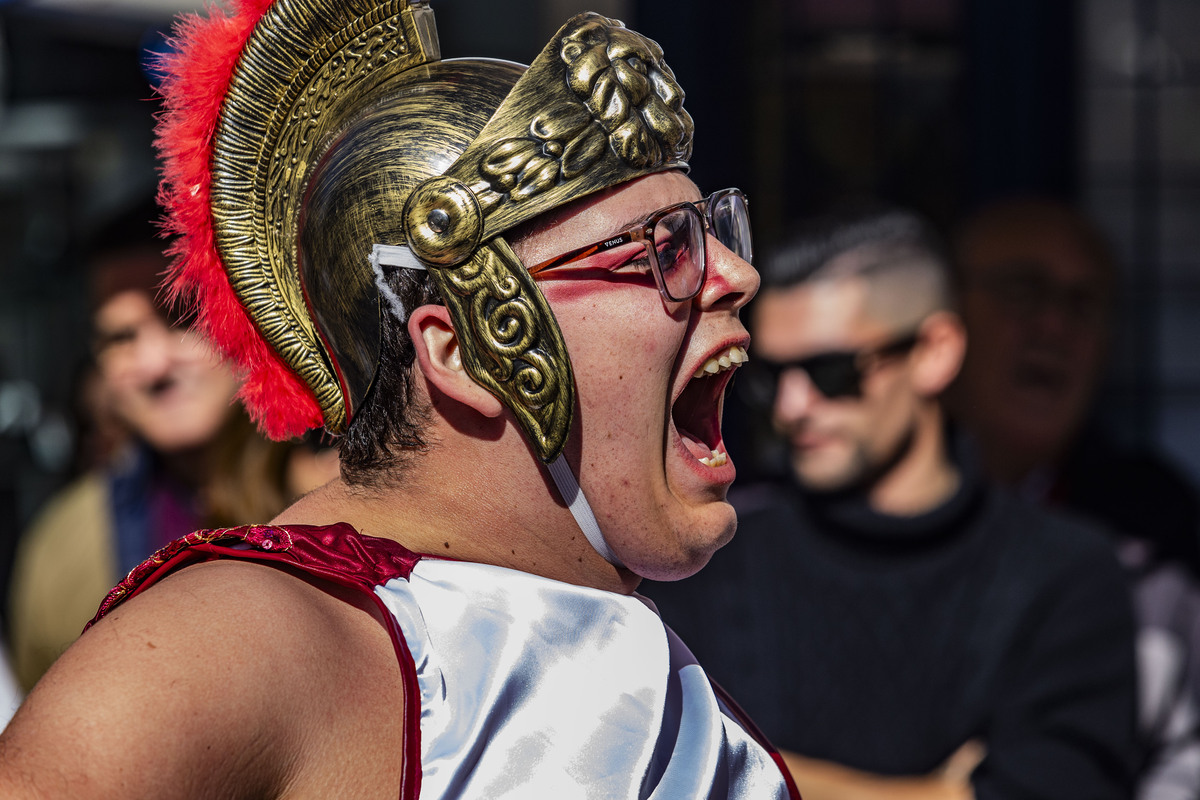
(387, 429)
(817, 242)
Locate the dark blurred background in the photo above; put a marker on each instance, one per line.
(806, 104)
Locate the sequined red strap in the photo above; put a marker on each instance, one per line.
(336, 553)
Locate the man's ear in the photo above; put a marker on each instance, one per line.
(939, 353)
(440, 360)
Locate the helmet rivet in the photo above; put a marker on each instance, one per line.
(442, 222)
(439, 220)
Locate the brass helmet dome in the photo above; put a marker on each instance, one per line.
(295, 139)
(356, 195)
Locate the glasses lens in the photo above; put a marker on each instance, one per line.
(731, 224)
(679, 244)
(834, 375)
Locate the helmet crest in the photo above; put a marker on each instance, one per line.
(196, 78)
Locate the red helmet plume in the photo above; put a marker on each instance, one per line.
(196, 77)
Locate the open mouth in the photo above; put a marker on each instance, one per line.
(697, 411)
(161, 387)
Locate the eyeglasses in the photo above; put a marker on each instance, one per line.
(835, 375)
(674, 242)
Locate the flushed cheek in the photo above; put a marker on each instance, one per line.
(590, 285)
(617, 334)
(623, 347)
(625, 406)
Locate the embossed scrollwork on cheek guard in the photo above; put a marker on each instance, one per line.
(507, 345)
(508, 319)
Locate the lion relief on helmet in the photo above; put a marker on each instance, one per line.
(628, 102)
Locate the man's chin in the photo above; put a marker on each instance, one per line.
(676, 572)
(694, 548)
(824, 478)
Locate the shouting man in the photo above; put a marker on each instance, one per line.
(499, 286)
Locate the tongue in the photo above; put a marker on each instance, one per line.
(696, 447)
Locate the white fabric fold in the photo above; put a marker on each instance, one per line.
(532, 687)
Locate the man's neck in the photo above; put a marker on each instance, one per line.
(495, 513)
(923, 479)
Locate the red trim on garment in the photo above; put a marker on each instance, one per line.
(744, 720)
(336, 553)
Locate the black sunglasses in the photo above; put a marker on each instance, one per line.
(835, 375)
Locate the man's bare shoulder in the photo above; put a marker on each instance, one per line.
(225, 679)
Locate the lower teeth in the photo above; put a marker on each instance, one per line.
(717, 459)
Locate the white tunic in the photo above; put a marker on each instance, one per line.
(528, 687)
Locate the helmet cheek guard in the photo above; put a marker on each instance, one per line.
(335, 127)
(597, 108)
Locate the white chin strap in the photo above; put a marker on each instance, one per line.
(580, 509)
(387, 255)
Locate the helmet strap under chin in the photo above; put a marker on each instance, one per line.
(580, 509)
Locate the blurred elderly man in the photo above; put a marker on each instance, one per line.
(1037, 286)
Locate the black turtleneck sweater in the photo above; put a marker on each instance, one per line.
(883, 643)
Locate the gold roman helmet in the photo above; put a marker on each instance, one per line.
(342, 143)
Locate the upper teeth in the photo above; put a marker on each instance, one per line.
(722, 361)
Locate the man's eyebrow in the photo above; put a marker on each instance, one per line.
(634, 222)
(638, 220)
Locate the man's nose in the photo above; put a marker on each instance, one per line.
(729, 281)
(795, 396)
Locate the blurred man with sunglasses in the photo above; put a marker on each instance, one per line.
(903, 629)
